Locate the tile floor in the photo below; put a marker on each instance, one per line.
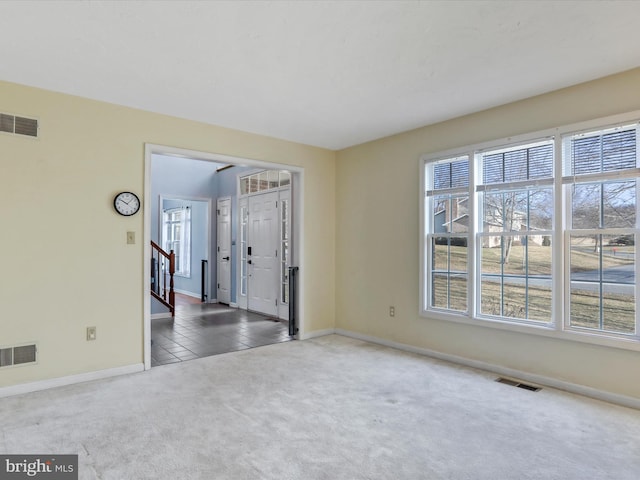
(201, 330)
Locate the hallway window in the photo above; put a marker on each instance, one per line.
(177, 237)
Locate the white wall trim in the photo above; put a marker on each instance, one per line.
(233, 305)
(297, 191)
(610, 397)
(155, 316)
(69, 380)
(317, 333)
(188, 294)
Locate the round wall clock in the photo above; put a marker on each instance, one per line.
(126, 203)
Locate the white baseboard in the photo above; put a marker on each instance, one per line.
(233, 305)
(317, 333)
(188, 294)
(155, 316)
(618, 399)
(69, 380)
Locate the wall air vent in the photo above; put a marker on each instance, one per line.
(515, 383)
(18, 125)
(17, 355)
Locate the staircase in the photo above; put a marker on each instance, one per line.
(163, 266)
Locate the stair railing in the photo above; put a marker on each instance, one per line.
(163, 267)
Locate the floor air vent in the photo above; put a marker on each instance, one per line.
(515, 383)
(18, 125)
(17, 355)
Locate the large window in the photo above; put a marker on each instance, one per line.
(537, 231)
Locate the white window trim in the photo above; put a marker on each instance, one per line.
(557, 329)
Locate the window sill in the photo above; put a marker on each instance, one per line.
(611, 341)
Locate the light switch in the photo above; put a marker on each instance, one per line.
(131, 238)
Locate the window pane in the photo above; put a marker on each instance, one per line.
(440, 290)
(619, 204)
(602, 283)
(253, 183)
(273, 179)
(450, 214)
(440, 251)
(449, 292)
(518, 210)
(458, 292)
(451, 174)
(603, 152)
(516, 165)
(540, 209)
(586, 205)
(263, 181)
(285, 178)
(244, 186)
(604, 205)
(516, 277)
(449, 273)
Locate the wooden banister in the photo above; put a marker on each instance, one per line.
(170, 303)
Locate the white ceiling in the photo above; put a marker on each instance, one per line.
(325, 73)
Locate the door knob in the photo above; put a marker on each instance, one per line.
(249, 262)
(225, 258)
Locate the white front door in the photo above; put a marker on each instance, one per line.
(262, 256)
(224, 250)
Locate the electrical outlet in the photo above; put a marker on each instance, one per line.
(131, 238)
(392, 311)
(91, 333)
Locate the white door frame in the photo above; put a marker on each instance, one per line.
(230, 260)
(189, 198)
(297, 223)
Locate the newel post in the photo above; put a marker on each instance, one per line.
(172, 270)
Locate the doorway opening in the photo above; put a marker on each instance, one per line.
(253, 237)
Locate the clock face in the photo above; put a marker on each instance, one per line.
(126, 203)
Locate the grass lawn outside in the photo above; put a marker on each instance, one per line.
(514, 299)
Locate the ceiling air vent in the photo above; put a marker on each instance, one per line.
(17, 355)
(18, 125)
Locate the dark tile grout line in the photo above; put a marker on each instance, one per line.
(204, 330)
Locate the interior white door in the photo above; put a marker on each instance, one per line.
(224, 250)
(262, 259)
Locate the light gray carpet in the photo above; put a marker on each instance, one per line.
(328, 408)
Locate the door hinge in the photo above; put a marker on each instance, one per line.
(276, 204)
(218, 248)
(218, 285)
(218, 211)
(276, 302)
(276, 253)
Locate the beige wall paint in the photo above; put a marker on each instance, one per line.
(66, 264)
(377, 223)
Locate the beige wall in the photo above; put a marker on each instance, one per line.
(377, 223)
(66, 264)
